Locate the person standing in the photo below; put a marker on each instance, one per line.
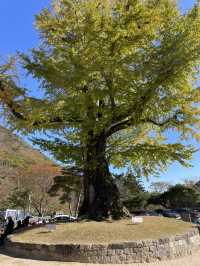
(8, 230)
(10, 226)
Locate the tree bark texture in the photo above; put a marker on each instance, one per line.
(101, 195)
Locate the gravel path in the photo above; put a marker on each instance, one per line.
(6, 260)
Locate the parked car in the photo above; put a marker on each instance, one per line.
(64, 218)
(151, 213)
(171, 214)
(139, 213)
(145, 213)
(41, 219)
(159, 211)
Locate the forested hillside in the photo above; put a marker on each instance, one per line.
(25, 171)
(14, 152)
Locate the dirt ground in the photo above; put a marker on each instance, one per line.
(109, 232)
(6, 260)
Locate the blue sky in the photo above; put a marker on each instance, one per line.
(18, 34)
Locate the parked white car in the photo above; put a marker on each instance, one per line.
(62, 218)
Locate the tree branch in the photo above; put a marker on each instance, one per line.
(14, 107)
(171, 119)
(108, 82)
(128, 122)
(10, 104)
(117, 127)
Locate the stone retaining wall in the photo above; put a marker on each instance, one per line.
(127, 252)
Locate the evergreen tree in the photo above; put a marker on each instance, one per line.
(132, 191)
(178, 196)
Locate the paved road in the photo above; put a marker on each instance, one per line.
(6, 260)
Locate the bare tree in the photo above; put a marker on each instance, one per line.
(160, 187)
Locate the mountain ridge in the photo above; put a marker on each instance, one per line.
(15, 152)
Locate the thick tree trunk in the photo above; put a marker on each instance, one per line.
(101, 195)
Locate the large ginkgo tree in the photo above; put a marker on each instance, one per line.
(117, 75)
